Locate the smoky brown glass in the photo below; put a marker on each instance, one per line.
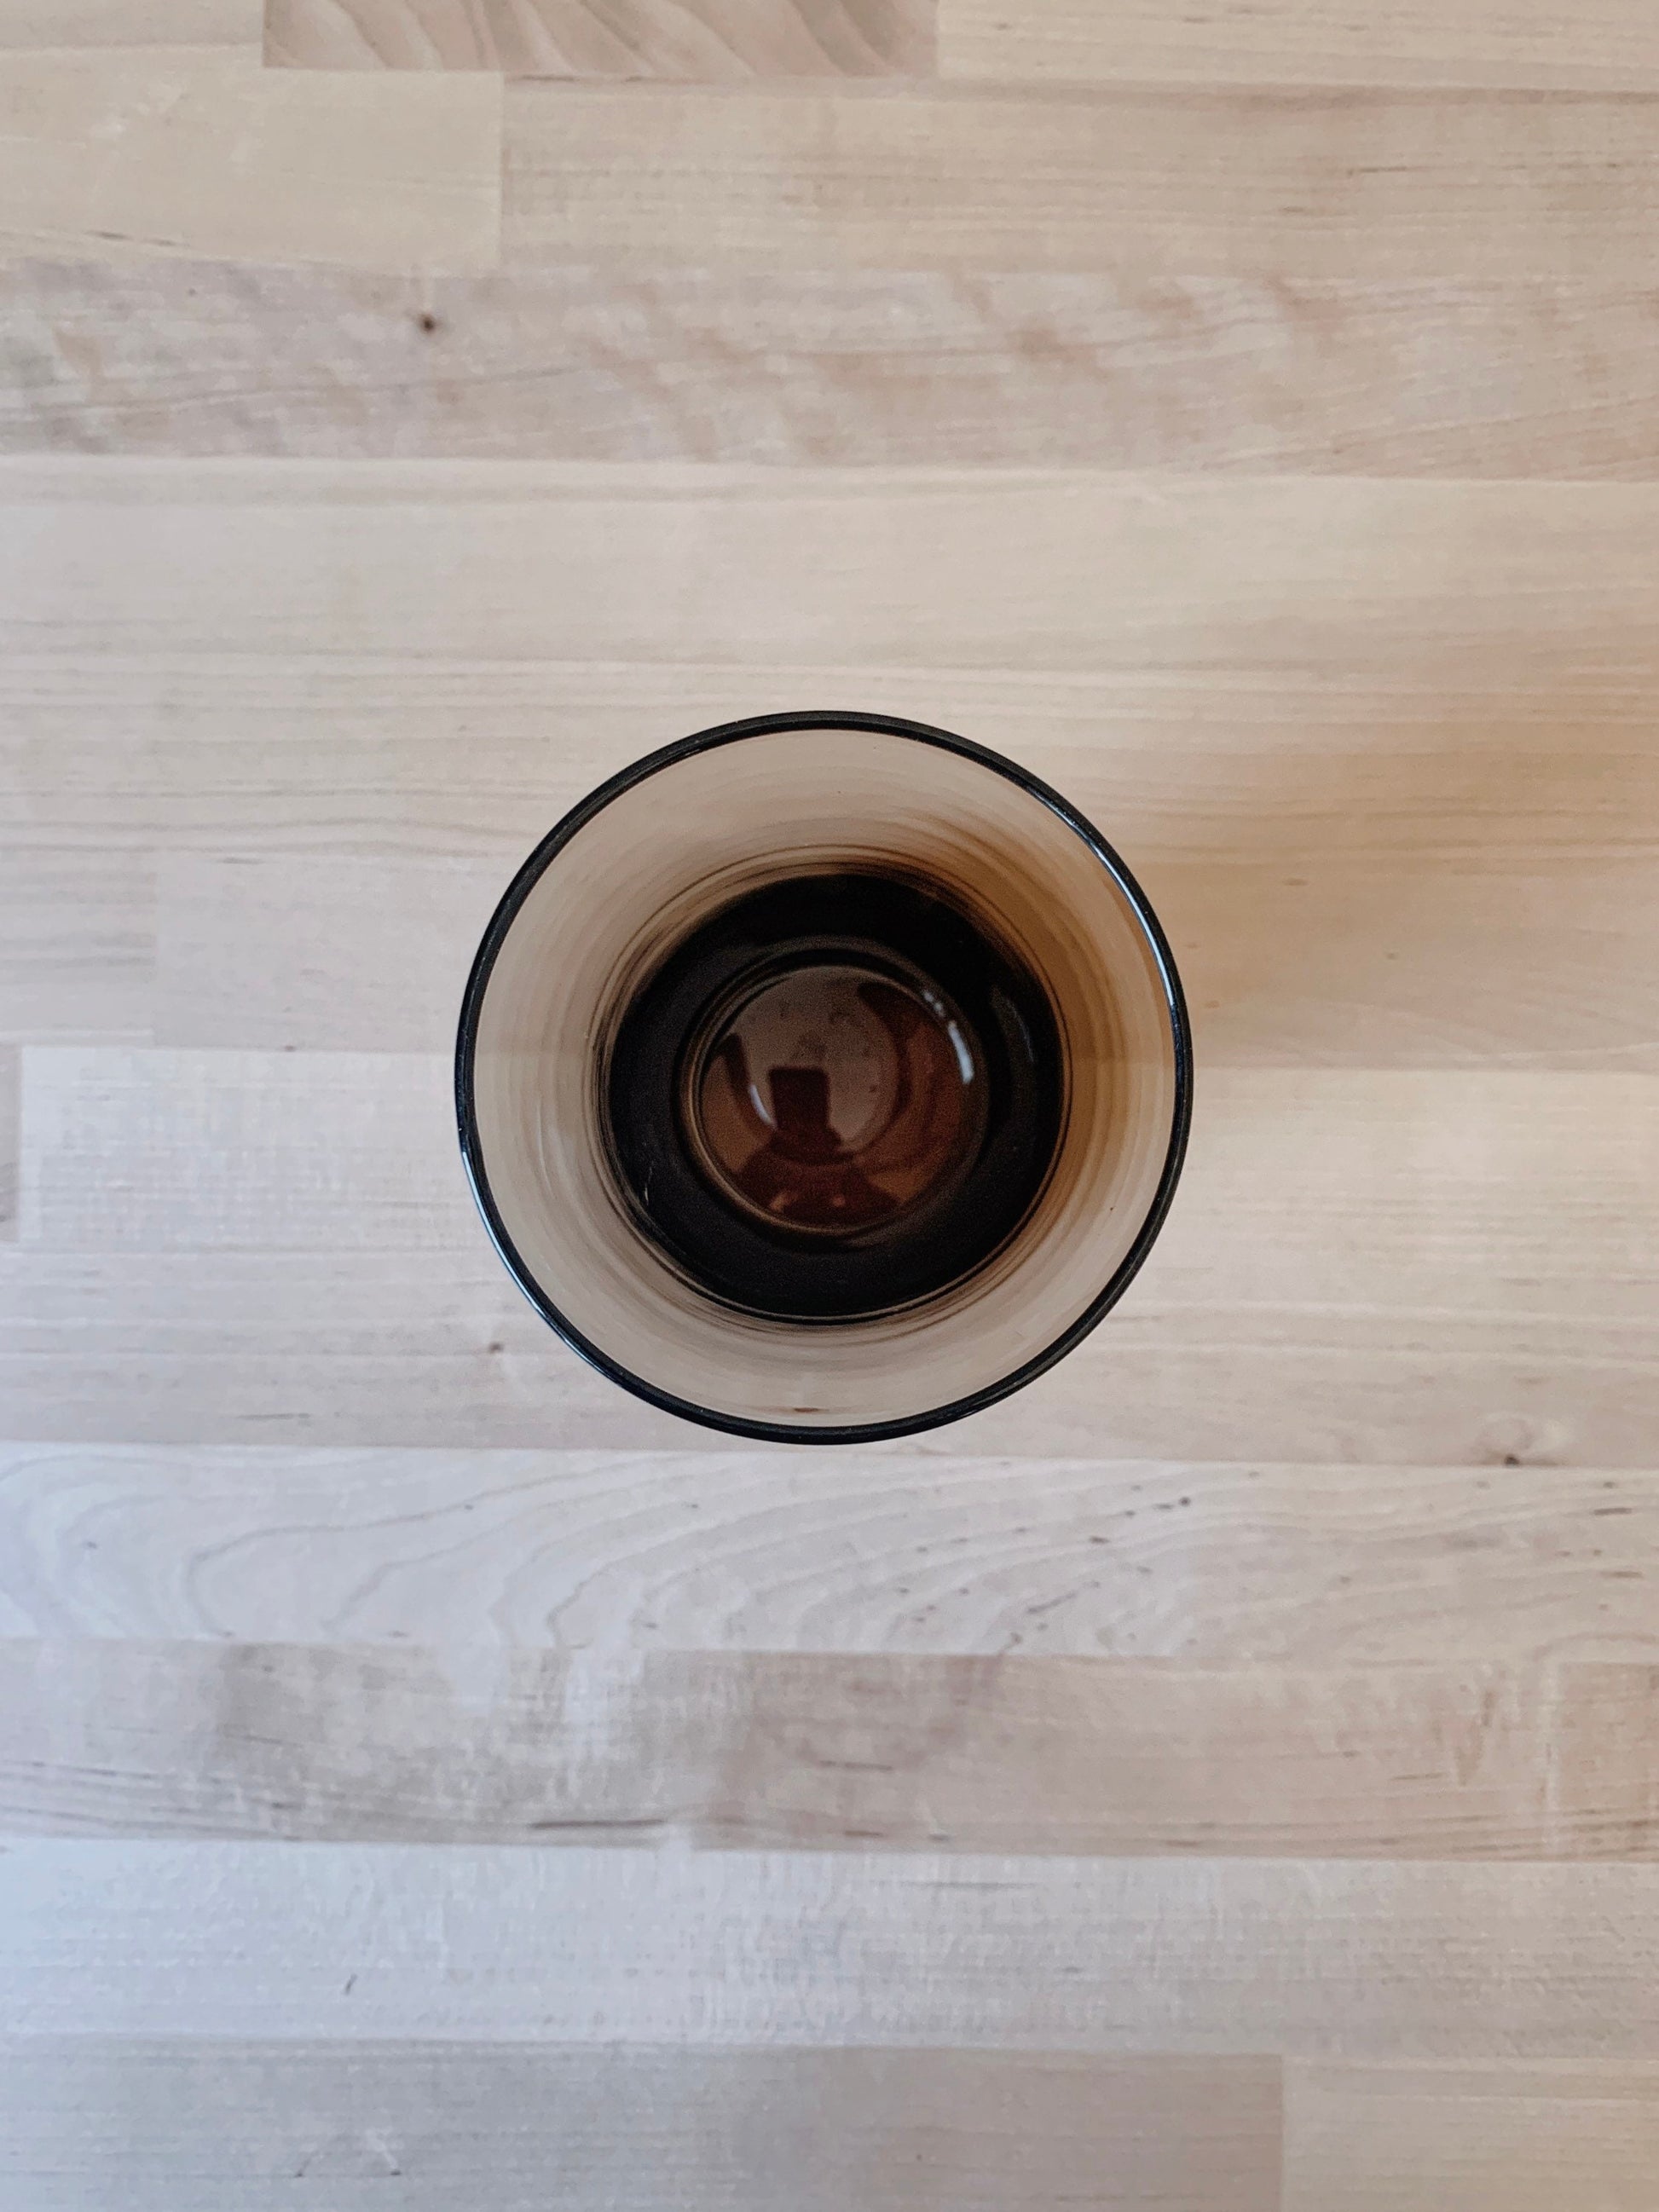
(823, 1077)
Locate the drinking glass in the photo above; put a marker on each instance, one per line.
(823, 1077)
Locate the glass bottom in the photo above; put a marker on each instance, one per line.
(838, 1095)
(834, 1096)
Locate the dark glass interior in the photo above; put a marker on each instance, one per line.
(833, 1097)
(837, 1095)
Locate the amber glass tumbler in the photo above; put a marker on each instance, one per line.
(823, 1077)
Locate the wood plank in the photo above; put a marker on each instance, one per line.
(179, 1151)
(1109, 369)
(349, 1349)
(1345, 1197)
(11, 1088)
(1190, 182)
(1522, 45)
(265, 1345)
(303, 955)
(496, 1944)
(1411, 966)
(1605, 1784)
(34, 24)
(754, 1550)
(319, 1743)
(714, 42)
(1454, 2138)
(181, 151)
(77, 942)
(1420, 1267)
(1404, 964)
(1537, 770)
(816, 569)
(1546, 1183)
(113, 2126)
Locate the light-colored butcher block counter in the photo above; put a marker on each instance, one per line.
(1221, 1778)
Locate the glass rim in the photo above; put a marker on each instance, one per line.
(536, 865)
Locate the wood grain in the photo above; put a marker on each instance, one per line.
(1463, 2139)
(1408, 965)
(77, 942)
(10, 1088)
(112, 2126)
(295, 1347)
(1543, 768)
(350, 1348)
(1109, 369)
(251, 954)
(1429, 1266)
(1605, 1782)
(178, 151)
(37, 24)
(1523, 45)
(486, 1943)
(429, 1775)
(1509, 583)
(715, 41)
(1310, 959)
(220, 1152)
(753, 1550)
(315, 1743)
(1390, 185)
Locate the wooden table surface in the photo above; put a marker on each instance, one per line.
(1224, 1778)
